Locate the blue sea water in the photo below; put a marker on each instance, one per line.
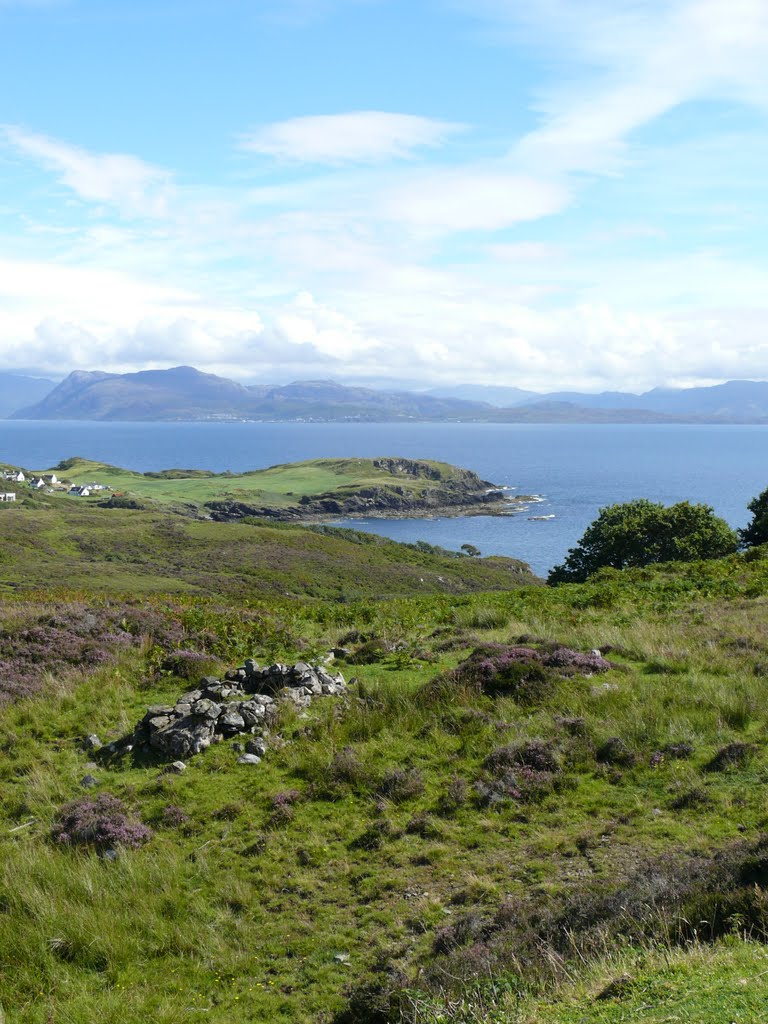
(577, 469)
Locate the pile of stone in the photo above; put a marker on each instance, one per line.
(244, 702)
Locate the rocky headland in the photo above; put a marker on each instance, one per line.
(460, 494)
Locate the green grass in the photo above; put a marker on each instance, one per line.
(276, 487)
(236, 916)
(73, 545)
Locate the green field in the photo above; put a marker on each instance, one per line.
(580, 844)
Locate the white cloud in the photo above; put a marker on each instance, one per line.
(630, 63)
(446, 201)
(365, 136)
(135, 188)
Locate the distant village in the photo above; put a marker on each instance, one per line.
(50, 483)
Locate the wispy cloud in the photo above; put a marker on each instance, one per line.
(133, 187)
(365, 136)
(472, 198)
(628, 64)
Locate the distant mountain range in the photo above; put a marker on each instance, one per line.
(184, 393)
(17, 390)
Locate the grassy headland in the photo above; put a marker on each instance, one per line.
(304, 490)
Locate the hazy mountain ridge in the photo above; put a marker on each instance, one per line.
(19, 389)
(184, 393)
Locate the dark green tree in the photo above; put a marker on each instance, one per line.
(756, 531)
(640, 532)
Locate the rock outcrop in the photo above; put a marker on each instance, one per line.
(244, 702)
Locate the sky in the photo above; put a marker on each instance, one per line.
(559, 194)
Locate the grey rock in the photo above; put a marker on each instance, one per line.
(237, 747)
(176, 768)
(206, 709)
(158, 709)
(88, 782)
(159, 722)
(190, 697)
(230, 721)
(92, 742)
(258, 747)
(249, 759)
(110, 854)
(251, 713)
(184, 736)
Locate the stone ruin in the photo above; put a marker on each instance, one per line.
(243, 703)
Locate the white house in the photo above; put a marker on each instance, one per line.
(37, 483)
(8, 496)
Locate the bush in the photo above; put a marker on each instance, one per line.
(756, 531)
(641, 532)
(732, 755)
(401, 785)
(98, 823)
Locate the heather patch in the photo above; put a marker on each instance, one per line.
(527, 674)
(98, 823)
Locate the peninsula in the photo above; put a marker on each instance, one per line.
(296, 492)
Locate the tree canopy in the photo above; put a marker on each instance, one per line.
(756, 531)
(640, 532)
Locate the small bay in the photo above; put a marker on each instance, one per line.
(577, 469)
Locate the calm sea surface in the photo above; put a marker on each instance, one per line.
(576, 468)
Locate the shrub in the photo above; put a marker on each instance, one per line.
(732, 755)
(568, 662)
(401, 785)
(455, 796)
(499, 670)
(641, 532)
(535, 754)
(173, 816)
(756, 531)
(189, 665)
(616, 752)
(373, 836)
(98, 823)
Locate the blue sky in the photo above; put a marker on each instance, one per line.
(566, 194)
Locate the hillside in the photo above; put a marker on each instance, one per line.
(120, 550)
(184, 393)
(494, 824)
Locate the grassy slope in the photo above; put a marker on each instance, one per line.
(277, 487)
(63, 544)
(237, 917)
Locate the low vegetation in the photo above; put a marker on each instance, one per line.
(530, 804)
